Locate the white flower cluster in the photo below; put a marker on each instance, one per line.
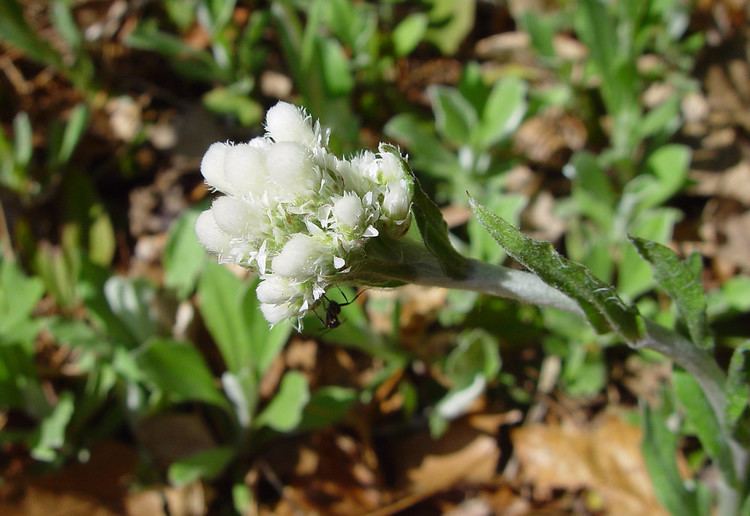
(296, 213)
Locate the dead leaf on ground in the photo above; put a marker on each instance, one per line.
(332, 474)
(96, 487)
(550, 138)
(463, 455)
(604, 457)
(189, 500)
(733, 183)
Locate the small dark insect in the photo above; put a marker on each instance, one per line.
(334, 309)
(332, 314)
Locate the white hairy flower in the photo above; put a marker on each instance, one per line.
(296, 213)
(212, 166)
(277, 313)
(348, 211)
(397, 201)
(210, 234)
(300, 258)
(287, 123)
(275, 289)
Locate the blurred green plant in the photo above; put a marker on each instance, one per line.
(73, 62)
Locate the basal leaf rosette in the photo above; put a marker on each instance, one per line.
(297, 214)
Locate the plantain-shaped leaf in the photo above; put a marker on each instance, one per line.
(703, 420)
(659, 452)
(599, 301)
(738, 391)
(682, 281)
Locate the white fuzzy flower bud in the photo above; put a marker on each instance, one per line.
(212, 166)
(276, 313)
(299, 257)
(245, 169)
(234, 216)
(359, 172)
(209, 234)
(291, 171)
(390, 168)
(277, 289)
(397, 201)
(288, 123)
(348, 210)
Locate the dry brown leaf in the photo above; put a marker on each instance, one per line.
(188, 500)
(334, 477)
(604, 457)
(96, 487)
(733, 183)
(464, 455)
(550, 138)
(41, 502)
(737, 247)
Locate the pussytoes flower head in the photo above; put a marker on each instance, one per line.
(297, 214)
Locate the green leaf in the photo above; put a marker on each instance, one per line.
(455, 117)
(101, 236)
(16, 31)
(77, 334)
(75, 128)
(659, 452)
(59, 272)
(736, 293)
(682, 281)
(503, 111)
(183, 255)
(542, 32)
(327, 406)
(19, 383)
(65, 24)
(456, 402)
(409, 32)
(222, 297)
(703, 420)
(481, 245)
(450, 22)
(50, 436)
(242, 498)
(665, 118)
(284, 412)
(19, 296)
(23, 145)
(181, 12)
(599, 301)
(130, 300)
(429, 154)
(231, 312)
(635, 275)
(592, 190)
(242, 391)
(476, 352)
(738, 385)
(669, 170)
(337, 76)
(192, 63)
(207, 464)
(179, 370)
(226, 101)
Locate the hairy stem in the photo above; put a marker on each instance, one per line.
(403, 261)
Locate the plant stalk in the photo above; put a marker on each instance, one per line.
(404, 261)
